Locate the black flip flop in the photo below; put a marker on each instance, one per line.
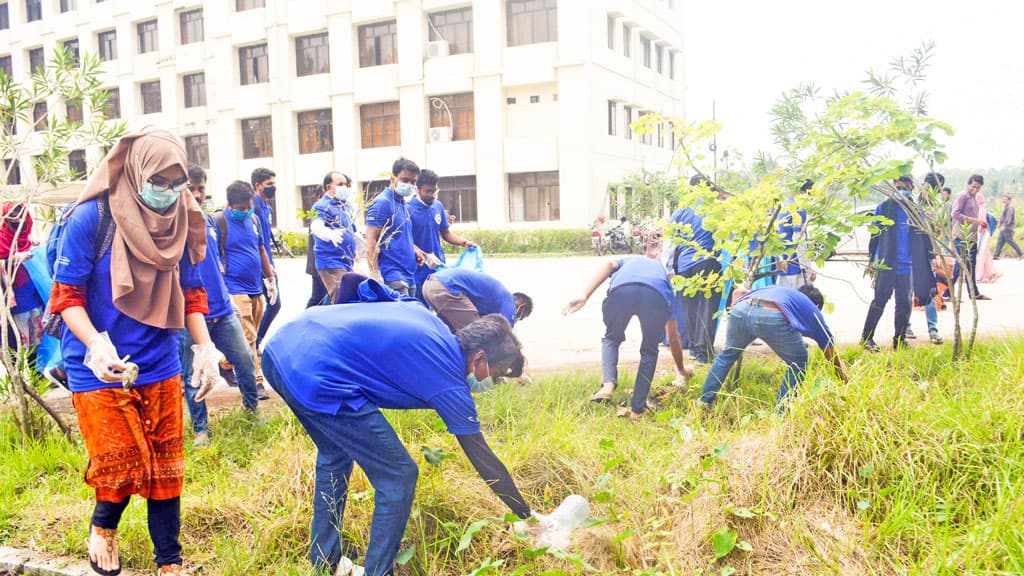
(95, 568)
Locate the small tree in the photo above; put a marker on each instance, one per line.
(42, 148)
(645, 195)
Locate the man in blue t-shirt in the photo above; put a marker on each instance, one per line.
(390, 251)
(429, 226)
(781, 317)
(793, 270)
(224, 327)
(336, 379)
(264, 186)
(335, 229)
(460, 296)
(246, 264)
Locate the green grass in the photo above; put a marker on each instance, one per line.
(915, 467)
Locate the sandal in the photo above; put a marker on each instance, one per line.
(602, 397)
(170, 570)
(110, 536)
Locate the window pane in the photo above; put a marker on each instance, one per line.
(198, 151)
(39, 115)
(377, 44)
(191, 26)
(151, 97)
(195, 89)
(74, 111)
(241, 5)
(315, 131)
(68, 5)
(112, 108)
(33, 10)
(5, 17)
(534, 196)
(627, 35)
(454, 26)
(76, 162)
(530, 22)
(380, 125)
(611, 32)
(71, 46)
(460, 106)
(36, 60)
(253, 64)
(6, 66)
(612, 122)
(108, 45)
(257, 138)
(458, 194)
(312, 55)
(147, 36)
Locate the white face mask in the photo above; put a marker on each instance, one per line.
(404, 189)
(342, 193)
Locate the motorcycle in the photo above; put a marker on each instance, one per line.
(616, 238)
(597, 241)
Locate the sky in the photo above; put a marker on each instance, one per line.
(743, 54)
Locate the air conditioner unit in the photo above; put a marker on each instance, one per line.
(437, 48)
(440, 134)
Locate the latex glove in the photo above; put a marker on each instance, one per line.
(102, 358)
(271, 290)
(533, 526)
(336, 237)
(206, 361)
(432, 262)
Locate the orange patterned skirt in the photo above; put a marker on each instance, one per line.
(134, 439)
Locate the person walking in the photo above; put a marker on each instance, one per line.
(430, 225)
(1007, 222)
(390, 250)
(334, 228)
(967, 223)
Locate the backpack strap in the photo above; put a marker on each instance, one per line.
(221, 220)
(105, 227)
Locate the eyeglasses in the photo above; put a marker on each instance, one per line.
(161, 182)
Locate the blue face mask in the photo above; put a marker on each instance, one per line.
(479, 386)
(159, 197)
(404, 189)
(241, 215)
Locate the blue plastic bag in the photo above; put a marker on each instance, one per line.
(48, 352)
(472, 258)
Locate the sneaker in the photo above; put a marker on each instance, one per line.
(910, 334)
(261, 392)
(202, 439)
(982, 297)
(229, 376)
(56, 377)
(899, 343)
(171, 570)
(870, 346)
(935, 338)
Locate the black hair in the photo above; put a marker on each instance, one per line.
(935, 180)
(196, 174)
(261, 175)
(526, 301)
(493, 334)
(947, 190)
(813, 294)
(426, 178)
(329, 178)
(697, 179)
(348, 180)
(976, 178)
(906, 179)
(807, 185)
(239, 192)
(404, 165)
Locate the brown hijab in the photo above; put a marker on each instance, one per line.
(148, 245)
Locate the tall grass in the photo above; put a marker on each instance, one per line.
(915, 467)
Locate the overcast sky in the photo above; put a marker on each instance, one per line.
(742, 54)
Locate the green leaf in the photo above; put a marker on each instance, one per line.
(467, 536)
(435, 456)
(726, 571)
(863, 504)
(743, 512)
(723, 542)
(721, 451)
(603, 497)
(623, 535)
(745, 546)
(404, 556)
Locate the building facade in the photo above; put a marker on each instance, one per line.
(521, 106)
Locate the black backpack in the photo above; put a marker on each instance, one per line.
(220, 219)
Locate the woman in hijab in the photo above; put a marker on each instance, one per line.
(27, 305)
(129, 304)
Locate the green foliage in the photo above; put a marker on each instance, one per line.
(298, 242)
(643, 195)
(539, 241)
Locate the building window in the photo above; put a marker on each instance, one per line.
(627, 37)
(380, 125)
(257, 138)
(191, 26)
(462, 120)
(148, 39)
(377, 44)
(671, 64)
(7, 66)
(36, 60)
(74, 110)
(76, 162)
(253, 65)
(371, 188)
(510, 100)
(531, 21)
(5, 17)
(316, 133)
(197, 150)
(195, 89)
(533, 196)
(645, 50)
(39, 116)
(33, 10)
(612, 119)
(611, 32)
(71, 47)
(458, 194)
(627, 114)
(646, 137)
(308, 195)
(112, 107)
(661, 137)
(151, 103)
(242, 5)
(455, 27)
(312, 55)
(12, 172)
(68, 5)
(659, 57)
(107, 45)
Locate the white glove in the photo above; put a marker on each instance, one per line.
(205, 368)
(336, 237)
(102, 358)
(432, 262)
(271, 290)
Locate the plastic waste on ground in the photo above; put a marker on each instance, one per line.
(348, 568)
(560, 524)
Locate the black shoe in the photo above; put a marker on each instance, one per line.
(982, 297)
(899, 343)
(262, 393)
(229, 377)
(935, 338)
(870, 346)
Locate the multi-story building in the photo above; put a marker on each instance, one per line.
(522, 106)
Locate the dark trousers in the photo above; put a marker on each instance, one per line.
(621, 305)
(889, 284)
(269, 313)
(316, 298)
(969, 252)
(1006, 238)
(699, 313)
(163, 518)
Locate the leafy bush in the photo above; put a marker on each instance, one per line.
(296, 241)
(527, 241)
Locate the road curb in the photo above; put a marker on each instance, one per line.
(17, 562)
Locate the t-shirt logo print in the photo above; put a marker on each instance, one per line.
(437, 219)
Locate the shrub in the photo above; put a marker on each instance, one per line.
(527, 241)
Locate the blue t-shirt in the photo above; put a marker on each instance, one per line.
(209, 271)
(483, 290)
(26, 298)
(243, 265)
(336, 215)
(685, 260)
(904, 266)
(789, 227)
(395, 355)
(427, 224)
(396, 258)
(645, 271)
(265, 214)
(155, 350)
(802, 315)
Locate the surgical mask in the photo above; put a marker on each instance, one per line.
(404, 189)
(269, 191)
(159, 197)
(240, 215)
(342, 193)
(477, 386)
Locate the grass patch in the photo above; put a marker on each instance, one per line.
(916, 467)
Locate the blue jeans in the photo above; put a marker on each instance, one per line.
(931, 314)
(748, 321)
(650, 307)
(227, 335)
(366, 437)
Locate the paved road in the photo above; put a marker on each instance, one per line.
(551, 340)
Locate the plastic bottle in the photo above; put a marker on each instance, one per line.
(559, 525)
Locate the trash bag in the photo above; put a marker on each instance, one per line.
(48, 351)
(472, 258)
